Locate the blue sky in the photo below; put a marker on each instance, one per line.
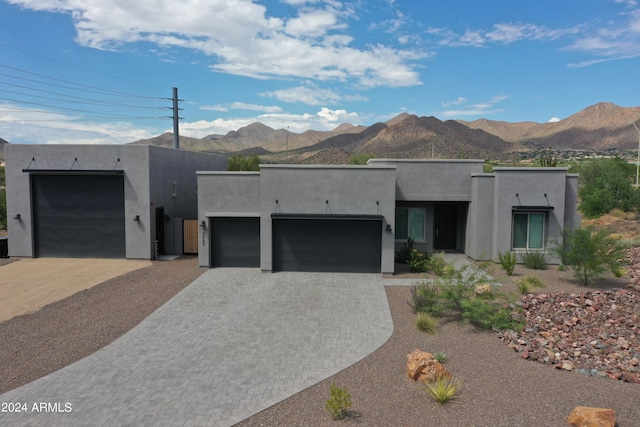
(102, 71)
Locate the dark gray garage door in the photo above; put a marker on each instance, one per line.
(235, 242)
(79, 216)
(324, 244)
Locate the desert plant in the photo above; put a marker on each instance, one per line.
(535, 260)
(425, 298)
(549, 161)
(508, 261)
(418, 262)
(436, 263)
(339, 402)
(443, 389)
(426, 323)
(527, 283)
(440, 357)
(588, 253)
(405, 252)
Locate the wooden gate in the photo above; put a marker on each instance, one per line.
(190, 236)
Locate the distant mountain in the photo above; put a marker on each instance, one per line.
(600, 126)
(603, 126)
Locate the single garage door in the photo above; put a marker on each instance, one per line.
(327, 243)
(235, 242)
(78, 216)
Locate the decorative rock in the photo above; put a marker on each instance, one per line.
(423, 366)
(584, 416)
(482, 290)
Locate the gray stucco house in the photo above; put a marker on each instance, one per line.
(354, 218)
(106, 201)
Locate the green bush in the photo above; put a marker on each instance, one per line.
(588, 253)
(508, 261)
(606, 184)
(339, 402)
(528, 283)
(436, 263)
(405, 252)
(418, 262)
(239, 162)
(440, 357)
(425, 298)
(426, 323)
(361, 159)
(535, 260)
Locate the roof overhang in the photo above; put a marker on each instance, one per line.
(72, 172)
(327, 216)
(522, 208)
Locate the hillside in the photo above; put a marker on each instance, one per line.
(601, 128)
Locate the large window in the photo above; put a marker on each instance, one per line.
(528, 230)
(410, 224)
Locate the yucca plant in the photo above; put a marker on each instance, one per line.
(440, 357)
(443, 389)
(508, 261)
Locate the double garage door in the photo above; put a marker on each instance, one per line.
(78, 216)
(300, 244)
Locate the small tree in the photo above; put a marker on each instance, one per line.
(239, 162)
(588, 253)
(3, 209)
(361, 159)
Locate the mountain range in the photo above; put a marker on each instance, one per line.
(603, 128)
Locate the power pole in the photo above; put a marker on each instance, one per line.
(176, 117)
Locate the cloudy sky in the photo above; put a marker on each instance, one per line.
(102, 71)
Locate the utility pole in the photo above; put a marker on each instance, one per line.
(176, 110)
(638, 162)
(287, 144)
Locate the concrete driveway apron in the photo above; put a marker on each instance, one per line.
(231, 344)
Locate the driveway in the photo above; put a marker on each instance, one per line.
(231, 344)
(31, 283)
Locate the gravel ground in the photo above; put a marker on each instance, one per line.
(36, 344)
(499, 388)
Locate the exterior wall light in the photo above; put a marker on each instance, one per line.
(137, 218)
(17, 216)
(388, 229)
(203, 224)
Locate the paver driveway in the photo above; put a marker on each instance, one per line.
(231, 344)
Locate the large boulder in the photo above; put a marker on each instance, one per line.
(423, 366)
(584, 416)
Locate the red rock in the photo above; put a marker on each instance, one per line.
(423, 366)
(583, 416)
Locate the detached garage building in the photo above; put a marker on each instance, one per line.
(355, 218)
(82, 201)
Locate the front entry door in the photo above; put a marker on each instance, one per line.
(446, 226)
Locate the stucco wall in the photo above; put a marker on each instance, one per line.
(530, 185)
(225, 194)
(432, 180)
(349, 190)
(166, 166)
(133, 160)
(480, 226)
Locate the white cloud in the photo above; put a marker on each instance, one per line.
(310, 95)
(335, 115)
(477, 109)
(242, 106)
(242, 37)
(553, 120)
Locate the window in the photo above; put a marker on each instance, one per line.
(528, 230)
(410, 223)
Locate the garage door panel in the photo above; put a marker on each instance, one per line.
(79, 216)
(327, 245)
(235, 242)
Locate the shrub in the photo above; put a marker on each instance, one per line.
(426, 323)
(418, 262)
(491, 314)
(339, 402)
(436, 263)
(405, 252)
(3, 209)
(443, 389)
(588, 253)
(535, 260)
(425, 298)
(440, 357)
(508, 261)
(527, 283)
